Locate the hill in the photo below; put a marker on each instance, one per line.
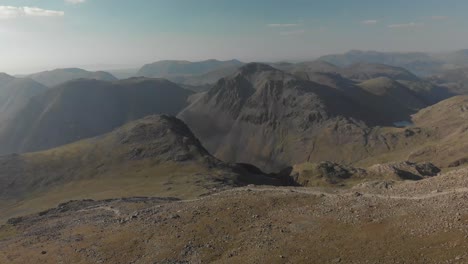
(156, 155)
(59, 76)
(85, 108)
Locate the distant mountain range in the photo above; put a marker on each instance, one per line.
(173, 68)
(190, 73)
(59, 76)
(281, 101)
(423, 64)
(273, 115)
(85, 108)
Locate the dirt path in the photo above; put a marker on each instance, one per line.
(382, 196)
(430, 195)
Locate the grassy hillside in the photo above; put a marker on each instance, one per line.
(153, 156)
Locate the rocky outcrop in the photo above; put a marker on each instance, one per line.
(405, 170)
(334, 174)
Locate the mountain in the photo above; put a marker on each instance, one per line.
(274, 119)
(417, 62)
(85, 108)
(155, 155)
(59, 76)
(15, 93)
(178, 69)
(271, 118)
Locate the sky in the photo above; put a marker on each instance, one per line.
(40, 35)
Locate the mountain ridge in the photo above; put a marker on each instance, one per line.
(59, 76)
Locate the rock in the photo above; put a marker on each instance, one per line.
(312, 174)
(427, 169)
(15, 221)
(405, 170)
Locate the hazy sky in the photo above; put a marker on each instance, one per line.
(44, 34)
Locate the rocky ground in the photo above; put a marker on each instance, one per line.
(376, 222)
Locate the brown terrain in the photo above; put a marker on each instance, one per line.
(376, 222)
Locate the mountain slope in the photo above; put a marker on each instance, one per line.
(86, 108)
(390, 100)
(395, 97)
(438, 135)
(455, 80)
(59, 76)
(153, 156)
(15, 93)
